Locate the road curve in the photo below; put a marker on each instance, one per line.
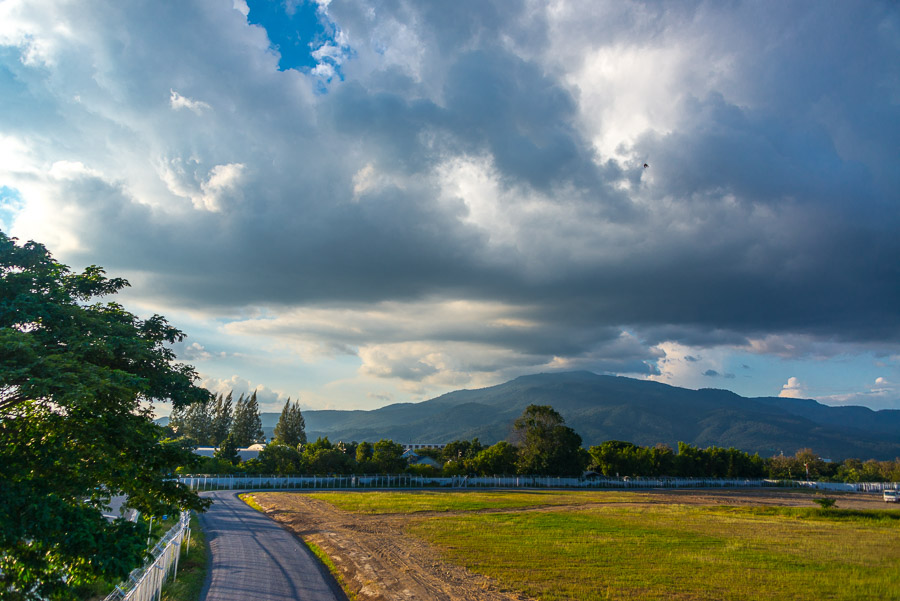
(253, 558)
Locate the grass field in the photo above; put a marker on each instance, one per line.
(654, 551)
(405, 502)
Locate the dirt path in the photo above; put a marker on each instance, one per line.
(381, 563)
(378, 561)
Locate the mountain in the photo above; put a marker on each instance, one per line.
(604, 408)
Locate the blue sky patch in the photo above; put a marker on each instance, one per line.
(295, 31)
(10, 204)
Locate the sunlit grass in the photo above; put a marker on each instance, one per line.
(675, 552)
(250, 500)
(412, 502)
(630, 546)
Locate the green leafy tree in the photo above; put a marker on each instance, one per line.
(364, 451)
(228, 451)
(291, 427)
(619, 458)
(246, 427)
(546, 445)
(324, 457)
(496, 460)
(75, 426)
(198, 422)
(277, 458)
(387, 457)
(461, 451)
(221, 419)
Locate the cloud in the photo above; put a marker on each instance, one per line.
(269, 400)
(793, 389)
(182, 102)
(880, 394)
(463, 199)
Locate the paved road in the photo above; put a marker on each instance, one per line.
(254, 559)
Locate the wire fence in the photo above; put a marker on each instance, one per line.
(146, 583)
(207, 482)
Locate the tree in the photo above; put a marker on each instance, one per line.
(547, 447)
(246, 427)
(75, 428)
(387, 457)
(279, 458)
(496, 460)
(221, 420)
(195, 423)
(228, 451)
(619, 458)
(291, 427)
(364, 451)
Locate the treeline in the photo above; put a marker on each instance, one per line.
(221, 423)
(540, 444)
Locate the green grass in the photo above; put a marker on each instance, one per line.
(191, 569)
(640, 550)
(675, 552)
(251, 501)
(326, 561)
(412, 502)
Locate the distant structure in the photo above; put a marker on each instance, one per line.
(251, 452)
(412, 446)
(412, 458)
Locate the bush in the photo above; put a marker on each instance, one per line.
(825, 502)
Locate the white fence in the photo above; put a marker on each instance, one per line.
(851, 486)
(220, 482)
(146, 583)
(234, 482)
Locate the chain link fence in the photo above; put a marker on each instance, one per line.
(146, 583)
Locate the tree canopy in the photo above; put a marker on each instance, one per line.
(246, 425)
(291, 427)
(75, 428)
(546, 445)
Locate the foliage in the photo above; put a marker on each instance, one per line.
(246, 425)
(228, 450)
(498, 459)
(461, 450)
(192, 568)
(221, 419)
(546, 445)
(364, 451)
(277, 458)
(423, 470)
(387, 457)
(291, 427)
(74, 427)
(825, 502)
(194, 422)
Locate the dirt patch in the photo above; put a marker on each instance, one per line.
(381, 563)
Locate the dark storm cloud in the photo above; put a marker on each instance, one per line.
(770, 203)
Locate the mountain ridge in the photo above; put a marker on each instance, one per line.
(603, 407)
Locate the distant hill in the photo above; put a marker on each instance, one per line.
(604, 408)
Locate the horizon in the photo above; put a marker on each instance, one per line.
(277, 411)
(356, 205)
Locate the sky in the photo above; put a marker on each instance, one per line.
(361, 203)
